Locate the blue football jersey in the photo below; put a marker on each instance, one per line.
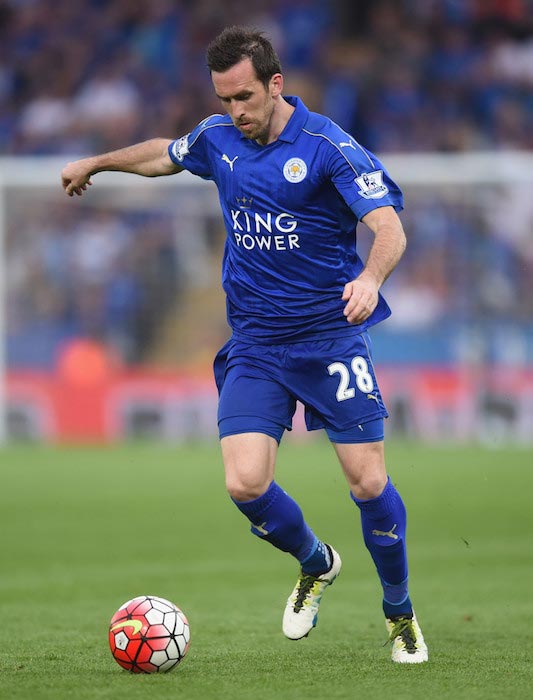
(290, 210)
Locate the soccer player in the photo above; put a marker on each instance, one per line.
(293, 186)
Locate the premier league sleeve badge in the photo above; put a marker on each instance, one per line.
(371, 185)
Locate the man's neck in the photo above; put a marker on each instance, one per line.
(283, 111)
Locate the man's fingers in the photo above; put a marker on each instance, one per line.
(75, 185)
(72, 189)
(347, 293)
(359, 308)
(358, 315)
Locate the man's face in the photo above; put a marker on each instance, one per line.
(246, 100)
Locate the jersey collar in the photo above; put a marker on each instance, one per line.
(297, 121)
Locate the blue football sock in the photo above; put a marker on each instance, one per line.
(319, 561)
(278, 519)
(396, 599)
(383, 520)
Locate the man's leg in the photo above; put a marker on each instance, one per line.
(249, 462)
(383, 520)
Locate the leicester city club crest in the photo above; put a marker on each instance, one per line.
(295, 170)
(371, 185)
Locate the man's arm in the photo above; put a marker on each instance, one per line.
(149, 158)
(361, 294)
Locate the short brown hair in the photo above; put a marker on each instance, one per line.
(236, 43)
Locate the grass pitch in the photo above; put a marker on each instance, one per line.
(84, 530)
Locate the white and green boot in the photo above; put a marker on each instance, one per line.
(405, 635)
(301, 611)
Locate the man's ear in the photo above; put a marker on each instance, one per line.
(276, 85)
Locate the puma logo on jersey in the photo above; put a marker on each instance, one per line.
(390, 533)
(226, 159)
(347, 144)
(373, 396)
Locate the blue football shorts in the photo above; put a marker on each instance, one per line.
(334, 379)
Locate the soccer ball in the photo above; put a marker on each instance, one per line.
(149, 634)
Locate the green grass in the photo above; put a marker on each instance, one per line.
(83, 530)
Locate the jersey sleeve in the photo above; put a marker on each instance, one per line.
(361, 179)
(192, 150)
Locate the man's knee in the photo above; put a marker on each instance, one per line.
(364, 467)
(245, 488)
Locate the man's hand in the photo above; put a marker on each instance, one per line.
(76, 177)
(361, 295)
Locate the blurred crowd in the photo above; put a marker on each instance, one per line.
(87, 272)
(401, 75)
(463, 291)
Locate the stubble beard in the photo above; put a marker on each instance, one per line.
(259, 131)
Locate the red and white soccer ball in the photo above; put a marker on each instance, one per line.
(149, 634)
